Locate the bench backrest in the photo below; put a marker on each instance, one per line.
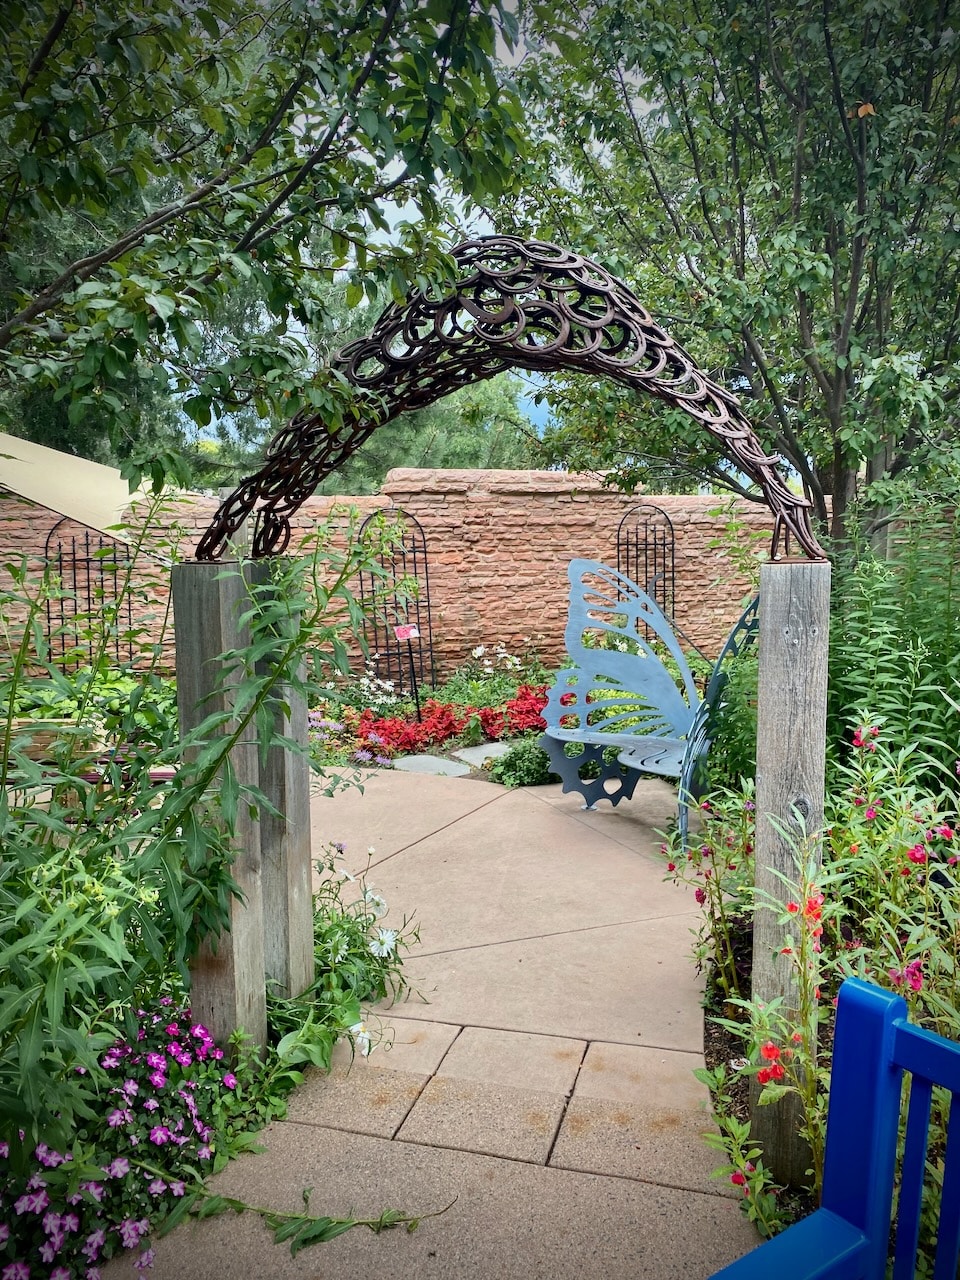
(874, 1046)
(628, 687)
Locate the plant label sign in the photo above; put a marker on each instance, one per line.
(409, 631)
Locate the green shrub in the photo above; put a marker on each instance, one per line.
(526, 764)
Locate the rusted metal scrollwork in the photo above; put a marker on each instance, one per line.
(518, 304)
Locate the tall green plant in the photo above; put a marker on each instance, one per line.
(109, 880)
(894, 647)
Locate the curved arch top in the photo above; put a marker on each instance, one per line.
(516, 304)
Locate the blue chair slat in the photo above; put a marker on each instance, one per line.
(948, 1236)
(873, 1046)
(911, 1182)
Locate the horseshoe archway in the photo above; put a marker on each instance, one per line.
(522, 304)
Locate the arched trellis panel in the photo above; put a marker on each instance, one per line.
(386, 603)
(517, 304)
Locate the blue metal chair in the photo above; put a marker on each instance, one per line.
(849, 1236)
(624, 698)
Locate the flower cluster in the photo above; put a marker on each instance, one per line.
(770, 1054)
(911, 976)
(163, 1098)
(379, 738)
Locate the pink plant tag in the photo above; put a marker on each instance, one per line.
(409, 631)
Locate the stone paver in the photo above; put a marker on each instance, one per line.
(361, 1101)
(517, 1059)
(476, 757)
(492, 1119)
(431, 764)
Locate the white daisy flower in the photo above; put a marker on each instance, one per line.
(384, 943)
(361, 1038)
(376, 902)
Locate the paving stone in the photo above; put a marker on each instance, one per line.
(514, 1058)
(639, 1112)
(470, 1115)
(356, 1099)
(475, 756)
(405, 1045)
(431, 764)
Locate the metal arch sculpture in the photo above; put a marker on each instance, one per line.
(522, 304)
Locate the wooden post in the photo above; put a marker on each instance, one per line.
(227, 986)
(285, 842)
(791, 749)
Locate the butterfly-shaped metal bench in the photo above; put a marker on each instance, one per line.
(848, 1237)
(618, 693)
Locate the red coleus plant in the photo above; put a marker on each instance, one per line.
(441, 721)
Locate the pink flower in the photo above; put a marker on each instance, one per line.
(230, 1080)
(870, 813)
(917, 853)
(16, 1271)
(145, 1260)
(177, 1188)
(130, 1231)
(118, 1168)
(700, 895)
(160, 1135)
(157, 1187)
(158, 1079)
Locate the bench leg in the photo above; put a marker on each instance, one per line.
(622, 781)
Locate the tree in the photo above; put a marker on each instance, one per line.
(779, 183)
(155, 158)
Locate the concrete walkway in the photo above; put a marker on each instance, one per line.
(540, 1078)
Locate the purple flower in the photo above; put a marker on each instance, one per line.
(157, 1079)
(60, 1273)
(119, 1117)
(157, 1187)
(177, 1188)
(131, 1231)
(130, 1088)
(70, 1222)
(230, 1080)
(204, 1153)
(32, 1202)
(48, 1251)
(151, 1104)
(94, 1243)
(47, 1157)
(117, 1168)
(160, 1135)
(16, 1271)
(157, 1061)
(51, 1223)
(166, 1001)
(145, 1260)
(95, 1189)
(4, 1149)
(4, 1233)
(172, 1029)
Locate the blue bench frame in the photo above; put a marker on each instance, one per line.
(848, 1237)
(656, 726)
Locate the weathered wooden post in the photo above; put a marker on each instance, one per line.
(227, 985)
(791, 749)
(285, 837)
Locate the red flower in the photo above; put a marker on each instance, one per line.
(793, 908)
(917, 853)
(738, 1179)
(770, 1051)
(764, 1075)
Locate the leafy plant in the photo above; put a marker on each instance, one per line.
(526, 764)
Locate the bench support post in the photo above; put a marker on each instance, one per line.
(791, 749)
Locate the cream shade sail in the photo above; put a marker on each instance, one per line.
(88, 492)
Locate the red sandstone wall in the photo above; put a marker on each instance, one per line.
(498, 544)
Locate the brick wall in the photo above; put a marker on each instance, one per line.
(498, 545)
